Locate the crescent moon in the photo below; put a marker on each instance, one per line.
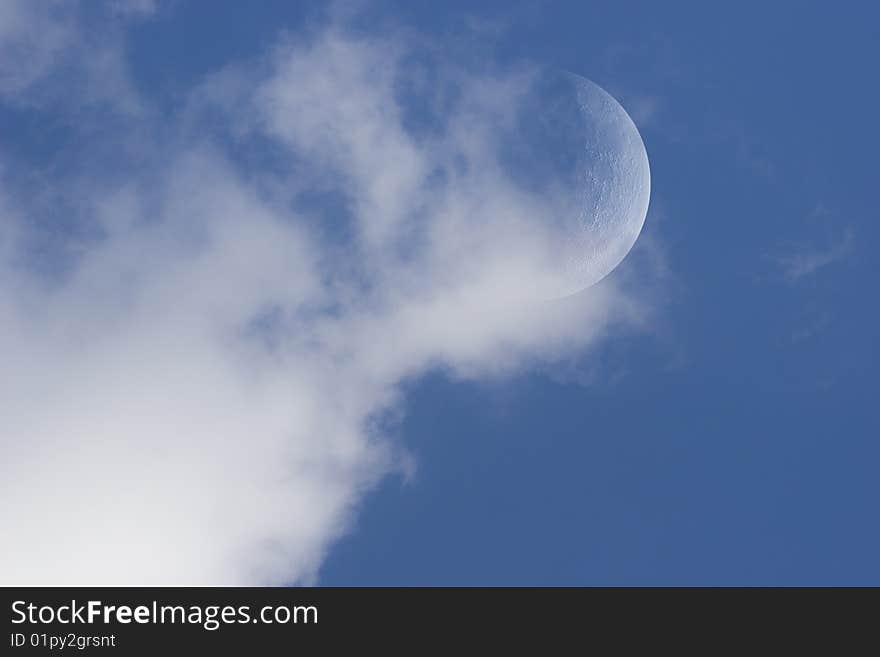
(615, 187)
(579, 150)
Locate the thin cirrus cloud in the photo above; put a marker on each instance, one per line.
(807, 260)
(199, 346)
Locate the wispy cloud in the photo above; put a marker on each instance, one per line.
(50, 56)
(197, 396)
(807, 260)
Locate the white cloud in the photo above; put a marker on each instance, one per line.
(49, 57)
(807, 260)
(32, 36)
(195, 399)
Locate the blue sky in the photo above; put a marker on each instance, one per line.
(728, 436)
(739, 444)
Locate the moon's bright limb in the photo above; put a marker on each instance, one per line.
(575, 144)
(616, 187)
